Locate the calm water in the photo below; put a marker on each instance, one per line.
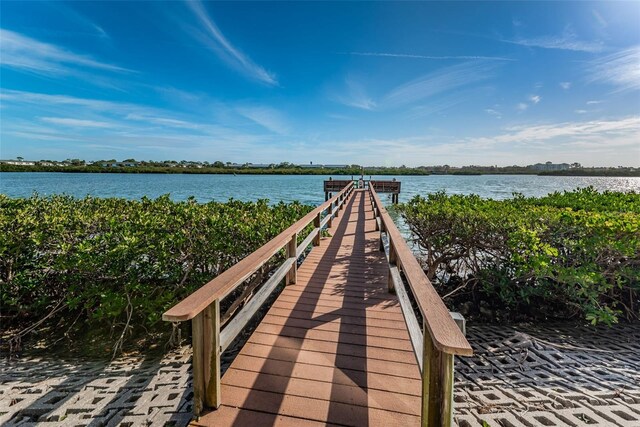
(306, 189)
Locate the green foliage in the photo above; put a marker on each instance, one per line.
(566, 254)
(106, 259)
(217, 168)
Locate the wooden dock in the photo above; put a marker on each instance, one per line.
(333, 348)
(336, 347)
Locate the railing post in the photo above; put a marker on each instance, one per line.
(393, 258)
(330, 223)
(316, 224)
(383, 229)
(375, 217)
(437, 385)
(206, 358)
(197, 340)
(292, 247)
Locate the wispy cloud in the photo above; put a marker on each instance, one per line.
(495, 113)
(406, 55)
(266, 117)
(77, 19)
(27, 54)
(218, 43)
(162, 121)
(137, 128)
(567, 41)
(589, 142)
(581, 111)
(71, 122)
(441, 81)
(620, 69)
(442, 104)
(594, 102)
(599, 19)
(355, 95)
(565, 85)
(535, 98)
(627, 126)
(58, 101)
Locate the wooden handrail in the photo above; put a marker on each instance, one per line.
(440, 338)
(202, 307)
(444, 332)
(226, 282)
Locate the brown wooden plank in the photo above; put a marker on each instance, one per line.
(330, 374)
(337, 293)
(230, 416)
(323, 390)
(403, 356)
(346, 338)
(336, 326)
(348, 320)
(314, 409)
(326, 306)
(352, 362)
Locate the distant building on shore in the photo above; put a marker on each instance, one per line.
(319, 166)
(549, 166)
(18, 162)
(119, 164)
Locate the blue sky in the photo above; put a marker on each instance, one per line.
(368, 83)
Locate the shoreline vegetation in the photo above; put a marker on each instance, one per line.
(104, 270)
(108, 267)
(219, 168)
(570, 255)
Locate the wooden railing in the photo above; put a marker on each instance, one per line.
(386, 186)
(203, 306)
(440, 338)
(333, 185)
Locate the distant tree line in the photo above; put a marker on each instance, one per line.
(286, 168)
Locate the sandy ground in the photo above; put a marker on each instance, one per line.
(525, 375)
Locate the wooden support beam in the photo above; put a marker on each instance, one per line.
(330, 223)
(206, 358)
(316, 223)
(446, 382)
(212, 355)
(393, 258)
(292, 248)
(437, 385)
(383, 229)
(375, 217)
(197, 340)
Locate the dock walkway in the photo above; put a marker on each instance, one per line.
(333, 348)
(343, 343)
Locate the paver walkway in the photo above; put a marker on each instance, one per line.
(333, 348)
(512, 380)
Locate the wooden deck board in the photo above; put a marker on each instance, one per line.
(333, 348)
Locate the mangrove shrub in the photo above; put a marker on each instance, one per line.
(567, 254)
(115, 261)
